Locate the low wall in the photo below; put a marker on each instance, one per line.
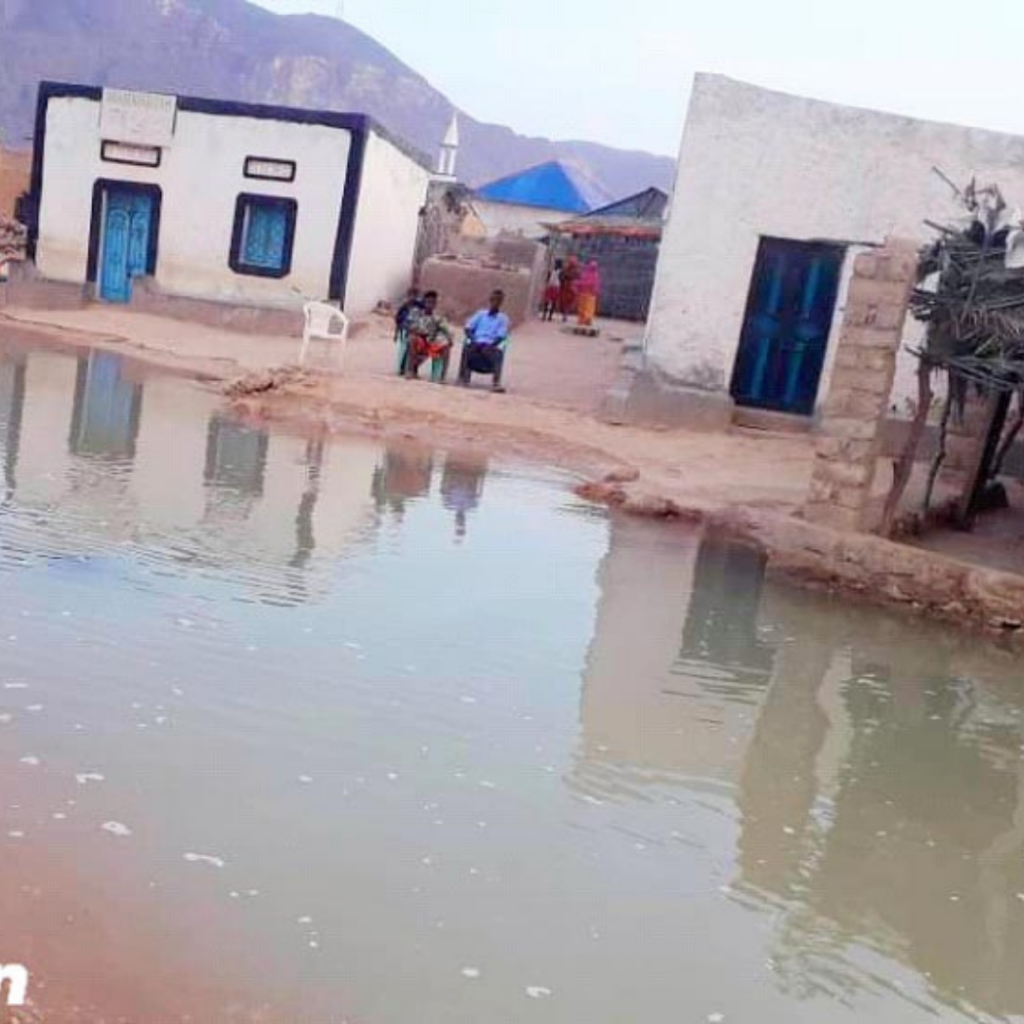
(147, 298)
(15, 175)
(883, 572)
(465, 287)
(28, 290)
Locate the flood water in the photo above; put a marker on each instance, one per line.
(354, 732)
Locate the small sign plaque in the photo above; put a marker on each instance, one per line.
(143, 118)
(125, 153)
(269, 169)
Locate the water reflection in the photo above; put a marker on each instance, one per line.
(462, 487)
(404, 475)
(430, 712)
(12, 400)
(236, 457)
(901, 821)
(107, 409)
(876, 768)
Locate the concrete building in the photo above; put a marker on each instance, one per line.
(774, 196)
(228, 202)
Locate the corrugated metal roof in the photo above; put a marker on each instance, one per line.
(647, 205)
(549, 186)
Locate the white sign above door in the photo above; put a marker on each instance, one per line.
(143, 118)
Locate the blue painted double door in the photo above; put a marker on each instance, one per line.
(787, 325)
(128, 223)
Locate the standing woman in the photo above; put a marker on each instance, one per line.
(567, 292)
(552, 292)
(590, 291)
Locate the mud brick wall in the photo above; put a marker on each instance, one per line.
(850, 434)
(465, 288)
(15, 173)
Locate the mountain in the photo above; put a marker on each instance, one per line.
(232, 49)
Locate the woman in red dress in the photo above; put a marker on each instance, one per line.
(567, 292)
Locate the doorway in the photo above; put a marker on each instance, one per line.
(123, 242)
(786, 329)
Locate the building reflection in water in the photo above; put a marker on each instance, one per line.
(874, 765)
(12, 401)
(109, 451)
(305, 534)
(677, 665)
(882, 801)
(403, 475)
(107, 409)
(236, 457)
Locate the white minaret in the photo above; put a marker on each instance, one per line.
(449, 150)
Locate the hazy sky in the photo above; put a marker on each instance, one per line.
(618, 72)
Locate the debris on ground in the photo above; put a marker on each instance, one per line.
(624, 475)
(260, 382)
(13, 237)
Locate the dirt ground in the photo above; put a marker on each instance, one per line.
(556, 382)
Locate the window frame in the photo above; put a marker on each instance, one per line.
(235, 258)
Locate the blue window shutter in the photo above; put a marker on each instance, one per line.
(265, 236)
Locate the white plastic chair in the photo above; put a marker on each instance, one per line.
(320, 318)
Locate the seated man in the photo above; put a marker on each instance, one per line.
(485, 333)
(429, 337)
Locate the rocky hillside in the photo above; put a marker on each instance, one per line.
(236, 50)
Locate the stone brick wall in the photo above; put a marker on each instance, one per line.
(851, 434)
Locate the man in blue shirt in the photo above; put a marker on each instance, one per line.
(486, 331)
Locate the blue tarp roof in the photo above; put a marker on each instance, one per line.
(548, 185)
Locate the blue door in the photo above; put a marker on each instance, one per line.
(785, 333)
(127, 224)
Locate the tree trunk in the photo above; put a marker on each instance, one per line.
(940, 455)
(905, 464)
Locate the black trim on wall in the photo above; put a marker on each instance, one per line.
(347, 218)
(269, 160)
(291, 208)
(358, 125)
(132, 163)
(96, 227)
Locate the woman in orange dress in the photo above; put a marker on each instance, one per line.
(590, 291)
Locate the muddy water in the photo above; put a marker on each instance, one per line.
(350, 732)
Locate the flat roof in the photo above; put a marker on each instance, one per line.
(260, 111)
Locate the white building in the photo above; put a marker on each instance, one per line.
(221, 201)
(774, 195)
